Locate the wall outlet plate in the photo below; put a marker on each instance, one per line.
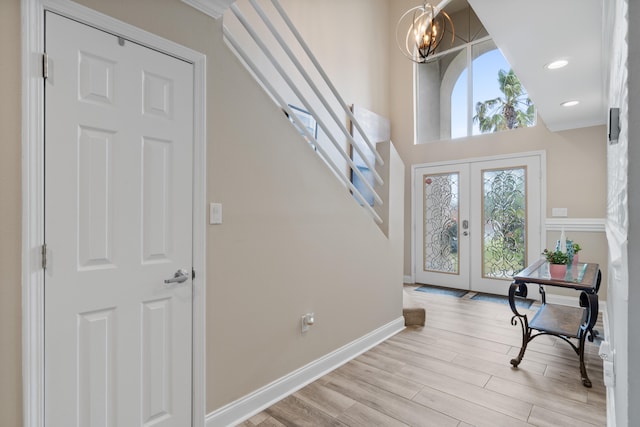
(307, 321)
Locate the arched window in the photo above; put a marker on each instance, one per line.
(468, 91)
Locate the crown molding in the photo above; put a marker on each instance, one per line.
(213, 8)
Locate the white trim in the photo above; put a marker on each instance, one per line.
(238, 411)
(33, 195)
(540, 153)
(213, 8)
(199, 241)
(571, 301)
(611, 407)
(611, 404)
(409, 279)
(576, 224)
(32, 222)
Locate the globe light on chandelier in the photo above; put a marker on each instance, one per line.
(421, 30)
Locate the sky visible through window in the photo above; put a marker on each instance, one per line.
(485, 86)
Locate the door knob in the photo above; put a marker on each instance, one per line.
(179, 277)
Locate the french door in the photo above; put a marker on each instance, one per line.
(478, 222)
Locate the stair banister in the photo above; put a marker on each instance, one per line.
(333, 89)
(315, 89)
(304, 101)
(300, 125)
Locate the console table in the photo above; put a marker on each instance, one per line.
(561, 321)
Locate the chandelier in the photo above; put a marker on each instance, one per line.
(427, 26)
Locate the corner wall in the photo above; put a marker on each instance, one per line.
(292, 242)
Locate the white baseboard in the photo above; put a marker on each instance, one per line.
(572, 301)
(409, 280)
(251, 404)
(611, 403)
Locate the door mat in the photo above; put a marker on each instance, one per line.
(442, 291)
(499, 299)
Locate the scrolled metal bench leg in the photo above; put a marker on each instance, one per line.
(583, 370)
(590, 304)
(526, 336)
(519, 289)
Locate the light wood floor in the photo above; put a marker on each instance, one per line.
(453, 372)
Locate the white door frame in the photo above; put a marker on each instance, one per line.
(543, 193)
(33, 195)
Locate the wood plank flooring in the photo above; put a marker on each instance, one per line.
(454, 371)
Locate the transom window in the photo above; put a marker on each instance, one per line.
(469, 90)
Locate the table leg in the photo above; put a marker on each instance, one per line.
(519, 289)
(583, 370)
(590, 303)
(526, 336)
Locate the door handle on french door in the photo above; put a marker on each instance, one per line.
(180, 276)
(465, 227)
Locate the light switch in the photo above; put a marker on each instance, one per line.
(215, 213)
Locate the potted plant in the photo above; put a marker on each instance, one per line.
(576, 249)
(558, 261)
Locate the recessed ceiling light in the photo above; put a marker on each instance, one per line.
(570, 103)
(556, 64)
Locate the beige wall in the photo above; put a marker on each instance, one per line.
(302, 217)
(292, 240)
(10, 215)
(357, 64)
(576, 159)
(286, 248)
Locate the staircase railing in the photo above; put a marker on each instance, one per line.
(303, 89)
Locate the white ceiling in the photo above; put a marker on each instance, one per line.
(531, 34)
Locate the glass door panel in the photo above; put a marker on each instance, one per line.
(441, 206)
(440, 216)
(504, 217)
(506, 202)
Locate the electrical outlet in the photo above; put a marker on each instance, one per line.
(307, 321)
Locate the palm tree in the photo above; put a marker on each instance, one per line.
(513, 110)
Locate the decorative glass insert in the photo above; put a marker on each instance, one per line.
(504, 220)
(440, 220)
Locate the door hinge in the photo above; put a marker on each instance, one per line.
(45, 66)
(193, 274)
(44, 256)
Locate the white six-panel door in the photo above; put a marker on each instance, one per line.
(118, 222)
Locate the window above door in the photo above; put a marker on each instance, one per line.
(469, 89)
